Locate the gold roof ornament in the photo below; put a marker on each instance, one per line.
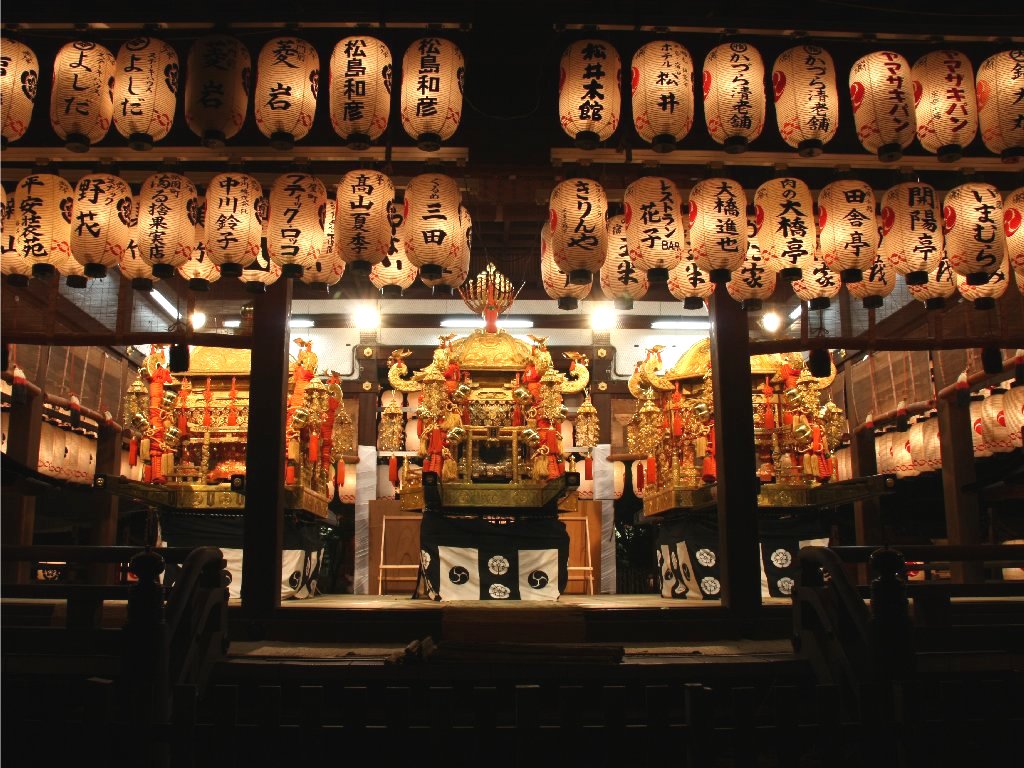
(489, 294)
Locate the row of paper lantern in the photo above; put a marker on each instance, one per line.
(972, 243)
(235, 230)
(939, 99)
(136, 90)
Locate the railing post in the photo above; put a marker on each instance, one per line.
(889, 627)
(19, 508)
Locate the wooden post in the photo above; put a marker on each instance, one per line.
(734, 441)
(963, 519)
(867, 514)
(104, 504)
(265, 453)
(19, 509)
(369, 378)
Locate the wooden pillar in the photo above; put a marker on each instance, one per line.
(734, 444)
(105, 505)
(265, 453)
(601, 372)
(369, 356)
(867, 513)
(963, 518)
(19, 509)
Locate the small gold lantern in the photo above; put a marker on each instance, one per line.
(392, 427)
(588, 428)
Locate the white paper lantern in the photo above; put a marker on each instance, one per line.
(1013, 212)
(973, 225)
(655, 226)
(431, 230)
(902, 458)
(981, 447)
(718, 227)
(985, 295)
(363, 227)
(753, 282)
(260, 273)
(819, 284)
(433, 78)
(938, 286)
(287, 84)
(946, 108)
(360, 86)
(130, 263)
(394, 273)
(915, 440)
(295, 223)
(621, 282)
(806, 98)
(883, 452)
(1000, 108)
(16, 267)
(883, 107)
(200, 270)
(876, 283)
(168, 211)
(556, 282)
(784, 211)
(456, 275)
(912, 242)
(73, 272)
(19, 82)
(734, 98)
(329, 268)
(145, 91)
(996, 434)
(217, 88)
(100, 217)
(578, 228)
(932, 445)
(590, 91)
(233, 229)
(688, 283)
(662, 88)
(847, 228)
(1013, 412)
(42, 221)
(82, 99)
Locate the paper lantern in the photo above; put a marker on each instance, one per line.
(996, 433)
(168, 210)
(932, 445)
(360, 85)
(753, 282)
(394, 273)
(200, 270)
(655, 226)
(938, 286)
(287, 83)
(42, 221)
(915, 440)
(100, 216)
(847, 229)
(578, 228)
(819, 284)
(363, 227)
(902, 458)
(985, 295)
(130, 263)
(784, 211)
(556, 282)
(19, 81)
(82, 99)
(145, 90)
(456, 275)
(260, 273)
(883, 452)
(620, 280)
(328, 269)
(433, 78)
(806, 98)
(73, 272)
(734, 98)
(432, 228)
(1013, 412)
(972, 216)
(946, 108)
(718, 227)
(1000, 109)
(688, 283)
(912, 242)
(876, 283)
(232, 227)
(16, 267)
(883, 112)
(589, 92)
(1013, 212)
(662, 88)
(217, 88)
(981, 448)
(295, 223)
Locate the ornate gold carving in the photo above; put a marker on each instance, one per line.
(367, 386)
(579, 374)
(398, 370)
(209, 361)
(482, 351)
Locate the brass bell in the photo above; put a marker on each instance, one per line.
(563, 412)
(522, 396)
(531, 436)
(701, 410)
(169, 399)
(300, 418)
(802, 433)
(172, 437)
(140, 421)
(455, 435)
(461, 393)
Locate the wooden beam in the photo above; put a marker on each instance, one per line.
(134, 338)
(858, 344)
(963, 518)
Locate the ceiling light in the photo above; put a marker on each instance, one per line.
(603, 318)
(232, 323)
(476, 322)
(366, 317)
(681, 325)
(299, 322)
(198, 320)
(796, 312)
(771, 321)
(165, 304)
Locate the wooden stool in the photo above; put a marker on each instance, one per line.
(393, 566)
(587, 568)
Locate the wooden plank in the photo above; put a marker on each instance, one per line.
(963, 517)
(18, 515)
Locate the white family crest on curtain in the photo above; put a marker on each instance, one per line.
(590, 92)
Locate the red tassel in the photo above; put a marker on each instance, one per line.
(816, 438)
(709, 470)
(419, 427)
(639, 477)
(206, 417)
(339, 474)
(289, 475)
(588, 468)
(824, 467)
(652, 470)
(314, 447)
(133, 452)
(147, 473)
(393, 470)
(232, 416)
(182, 422)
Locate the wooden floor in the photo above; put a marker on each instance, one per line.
(605, 602)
